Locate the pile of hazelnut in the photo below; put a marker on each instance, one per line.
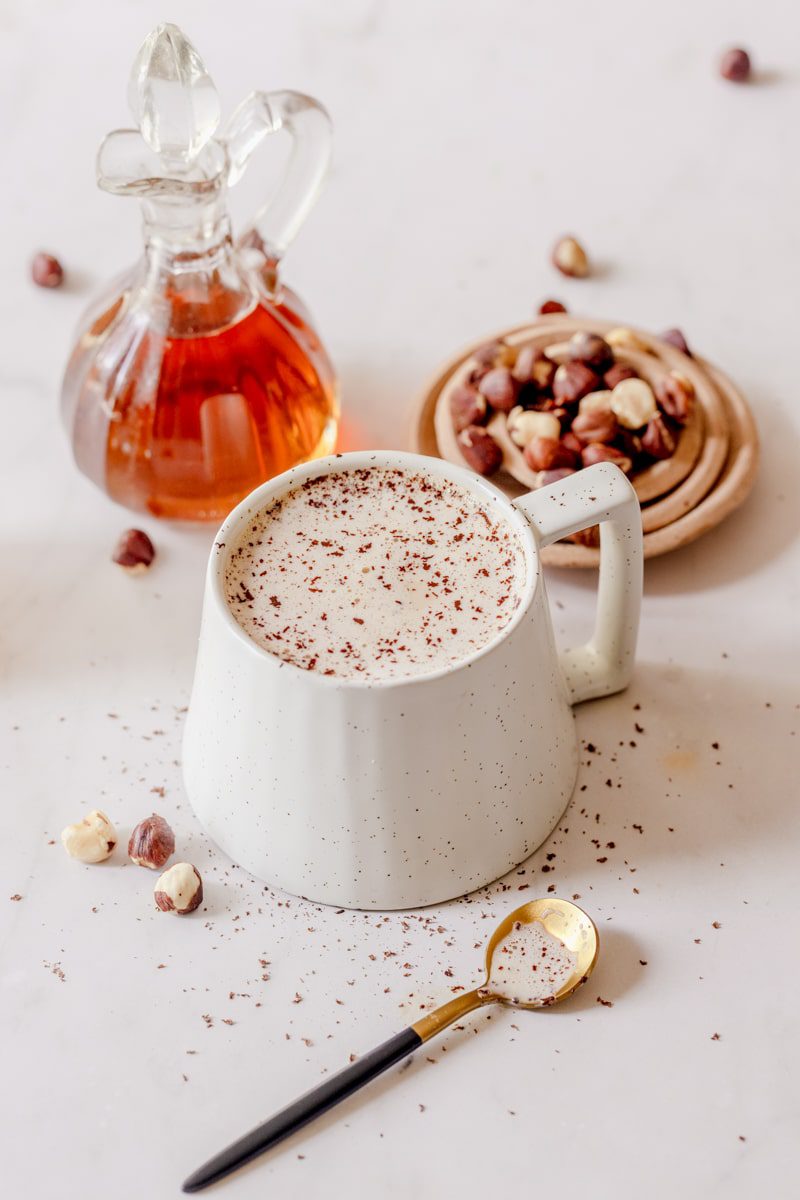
(152, 843)
(586, 409)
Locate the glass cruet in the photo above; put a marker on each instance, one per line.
(198, 374)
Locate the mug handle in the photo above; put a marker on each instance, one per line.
(602, 495)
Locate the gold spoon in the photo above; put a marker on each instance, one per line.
(552, 943)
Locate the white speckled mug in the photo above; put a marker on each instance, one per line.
(393, 793)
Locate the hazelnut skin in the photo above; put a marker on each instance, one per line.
(179, 890)
(658, 440)
(617, 373)
(92, 839)
(597, 426)
(675, 395)
(151, 843)
(674, 337)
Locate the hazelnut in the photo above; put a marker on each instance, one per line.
(500, 388)
(523, 425)
(542, 453)
(572, 381)
(134, 551)
(658, 440)
(467, 407)
(633, 403)
(46, 271)
(590, 349)
(92, 839)
(597, 452)
(735, 66)
(596, 426)
(596, 402)
(551, 306)
(674, 337)
(480, 449)
(571, 444)
(151, 843)
(495, 354)
(554, 475)
(675, 395)
(617, 373)
(533, 366)
(626, 339)
(570, 258)
(179, 890)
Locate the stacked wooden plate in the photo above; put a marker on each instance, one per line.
(710, 474)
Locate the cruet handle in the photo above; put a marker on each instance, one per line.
(276, 223)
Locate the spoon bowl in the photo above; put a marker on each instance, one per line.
(565, 922)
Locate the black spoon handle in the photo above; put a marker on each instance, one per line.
(298, 1114)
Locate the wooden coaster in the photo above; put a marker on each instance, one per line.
(721, 450)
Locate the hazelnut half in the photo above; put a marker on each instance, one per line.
(179, 890)
(570, 258)
(633, 403)
(134, 551)
(92, 839)
(151, 843)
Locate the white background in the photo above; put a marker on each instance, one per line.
(468, 137)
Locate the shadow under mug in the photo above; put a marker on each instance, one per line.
(398, 793)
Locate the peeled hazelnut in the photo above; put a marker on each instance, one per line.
(570, 258)
(590, 349)
(675, 395)
(542, 453)
(500, 388)
(92, 840)
(467, 407)
(597, 452)
(151, 843)
(735, 66)
(658, 440)
(523, 425)
(626, 339)
(617, 373)
(596, 426)
(134, 551)
(674, 337)
(179, 890)
(572, 381)
(633, 403)
(551, 306)
(596, 402)
(533, 366)
(480, 449)
(46, 271)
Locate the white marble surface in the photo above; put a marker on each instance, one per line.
(469, 136)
